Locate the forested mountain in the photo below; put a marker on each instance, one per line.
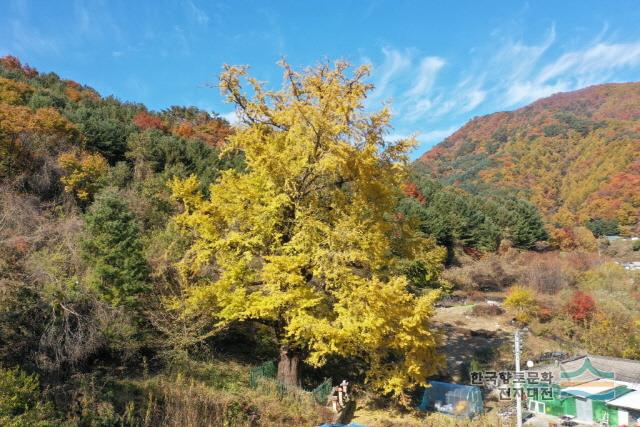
(576, 156)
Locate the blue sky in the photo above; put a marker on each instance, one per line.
(438, 63)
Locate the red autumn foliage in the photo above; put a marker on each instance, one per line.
(184, 130)
(20, 244)
(410, 189)
(545, 314)
(581, 307)
(472, 252)
(213, 132)
(144, 121)
(73, 84)
(555, 150)
(10, 62)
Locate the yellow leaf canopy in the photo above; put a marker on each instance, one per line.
(306, 239)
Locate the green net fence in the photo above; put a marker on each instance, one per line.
(322, 392)
(264, 377)
(266, 370)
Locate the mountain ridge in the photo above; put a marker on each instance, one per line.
(575, 155)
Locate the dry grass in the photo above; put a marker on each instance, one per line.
(487, 310)
(188, 403)
(389, 418)
(547, 272)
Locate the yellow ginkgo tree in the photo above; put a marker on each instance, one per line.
(306, 239)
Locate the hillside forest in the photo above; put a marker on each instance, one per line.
(150, 259)
(575, 156)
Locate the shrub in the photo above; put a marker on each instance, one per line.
(553, 130)
(545, 273)
(476, 296)
(521, 303)
(610, 333)
(584, 239)
(609, 278)
(636, 246)
(491, 272)
(20, 403)
(186, 402)
(545, 314)
(487, 310)
(581, 307)
(83, 173)
(633, 349)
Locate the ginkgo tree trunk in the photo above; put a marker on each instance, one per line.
(306, 239)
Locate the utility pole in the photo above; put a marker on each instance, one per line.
(517, 383)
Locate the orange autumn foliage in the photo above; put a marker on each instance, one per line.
(13, 92)
(574, 155)
(17, 119)
(10, 62)
(410, 189)
(144, 121)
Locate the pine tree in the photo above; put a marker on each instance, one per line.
(114, 251)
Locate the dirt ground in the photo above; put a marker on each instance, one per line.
(462, 316)
(467, 336)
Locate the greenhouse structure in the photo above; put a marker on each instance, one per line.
(452, 399)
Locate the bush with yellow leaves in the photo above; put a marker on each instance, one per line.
(521, 302)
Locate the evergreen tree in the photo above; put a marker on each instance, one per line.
(525, 226)
(113, 249)
(603, 227)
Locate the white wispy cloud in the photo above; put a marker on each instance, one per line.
(437, 135)
(430, 138)
(522, 58)
(408, 79)
(526, 91)
(197, 13)
(231, 117)
(95, 20)
(464, 97)
(27, 39)
(427, 73)
(474, 97)
(414, 109)
(593, 64)
(501, 76)
(395, 63)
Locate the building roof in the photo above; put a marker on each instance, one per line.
(603, 389)
(591, 387)
(625, 370)
(629, 401)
